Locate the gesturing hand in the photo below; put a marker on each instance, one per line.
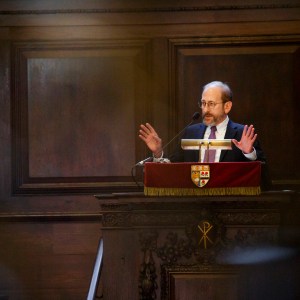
(151, 138)
(247, 140)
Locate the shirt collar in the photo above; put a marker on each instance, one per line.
(223, 125)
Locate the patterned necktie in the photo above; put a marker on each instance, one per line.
(210, 155)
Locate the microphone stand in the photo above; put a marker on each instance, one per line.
(195, 117)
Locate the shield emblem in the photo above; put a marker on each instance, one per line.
(200, 175)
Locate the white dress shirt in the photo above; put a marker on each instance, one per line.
(220, 134)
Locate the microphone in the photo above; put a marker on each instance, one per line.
(142, 162)
(195, 117)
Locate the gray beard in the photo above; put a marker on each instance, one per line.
(213, 123)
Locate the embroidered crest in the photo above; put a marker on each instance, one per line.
(200, 174)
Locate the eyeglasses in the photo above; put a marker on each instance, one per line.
(209, 104)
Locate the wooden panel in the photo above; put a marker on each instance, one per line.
(75, 109)
(47, 260)
(203, 286)
(157, 244)
(263, 80)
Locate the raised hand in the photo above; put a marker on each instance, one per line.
(151, 138)
(247, 140)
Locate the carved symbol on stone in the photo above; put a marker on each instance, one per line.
(204, 228)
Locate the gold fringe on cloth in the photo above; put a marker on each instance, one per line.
(223, 191)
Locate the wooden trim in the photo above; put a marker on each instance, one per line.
(50, 217)
(140, 8)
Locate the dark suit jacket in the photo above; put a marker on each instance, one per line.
(233, 131)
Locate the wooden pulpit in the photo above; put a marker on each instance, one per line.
(172, 245)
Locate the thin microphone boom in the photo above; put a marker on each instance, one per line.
(195, 117)
(142, 162)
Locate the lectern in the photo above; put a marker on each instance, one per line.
(199, 179)
(192, 246)
(199, 144)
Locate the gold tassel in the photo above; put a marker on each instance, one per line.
(225, 191)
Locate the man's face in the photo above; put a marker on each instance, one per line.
(214, 111)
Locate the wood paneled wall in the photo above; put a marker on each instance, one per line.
(77, 79)
(47, 259)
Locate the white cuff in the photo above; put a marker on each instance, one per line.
(161, 159)
(157, 159)
(252, 155)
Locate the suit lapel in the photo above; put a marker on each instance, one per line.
(196, 132)
(230, 133)
(202, 131)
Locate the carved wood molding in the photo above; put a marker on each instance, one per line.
(201, 246)
(247, 218)
(150, 9)
(50, 217)
(162, 219)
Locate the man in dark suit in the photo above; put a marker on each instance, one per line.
(216, 103)
(234, 131)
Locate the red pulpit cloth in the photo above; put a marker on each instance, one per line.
(224, 178)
